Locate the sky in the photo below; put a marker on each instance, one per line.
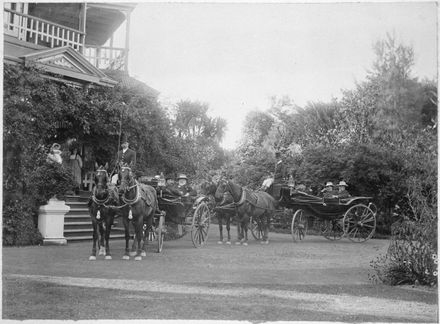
(235, 56)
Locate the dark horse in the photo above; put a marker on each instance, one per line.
(259, 205)
(224, 208)
(101, 212)
(139, 206)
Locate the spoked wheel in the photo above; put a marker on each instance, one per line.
(299, 225)
(256, 229)
(332, 229)
(359, 223)
(160, 232)
(200, 225)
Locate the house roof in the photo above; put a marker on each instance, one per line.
(125, 80)
(68, 63)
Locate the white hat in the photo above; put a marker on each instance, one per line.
(182, 176)
(329, 184)
(342, 183)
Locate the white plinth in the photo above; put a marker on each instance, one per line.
(51, 222)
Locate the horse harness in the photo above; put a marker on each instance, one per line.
(244, 199)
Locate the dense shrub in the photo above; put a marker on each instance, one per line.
(18, 223)
(412, 256)
(48, 180)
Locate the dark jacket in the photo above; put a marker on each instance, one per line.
(343, 194)
(279, 173)
(129, 157)
(186, 189)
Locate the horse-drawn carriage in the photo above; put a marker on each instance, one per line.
(334, 218)
(187, 213)
(148, 207)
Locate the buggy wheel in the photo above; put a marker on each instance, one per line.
(200, 225)
(256, 229)
(299, 225)
(359, 223)
(160, 233)
(332, 229)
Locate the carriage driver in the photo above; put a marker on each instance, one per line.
(279, 174)
(183, 186)
(125, 156)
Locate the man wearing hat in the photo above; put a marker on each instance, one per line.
(127, 155)
(342, 191)
(183, 186)
(328, 191)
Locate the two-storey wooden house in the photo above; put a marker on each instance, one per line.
(72, 40)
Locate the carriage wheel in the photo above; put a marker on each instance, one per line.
(359, 223)
(200, 225)
(256, 229)
(332, 229)
(160, 233)
(299, 225)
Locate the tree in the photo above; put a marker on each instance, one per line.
(198, 137)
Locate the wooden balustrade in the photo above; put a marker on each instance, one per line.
(106, 57)
(42, 32)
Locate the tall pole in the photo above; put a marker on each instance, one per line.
(127, 41)
(82, 24)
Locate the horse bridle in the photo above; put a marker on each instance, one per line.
(138, 192)
(242, 198)
(100, 202)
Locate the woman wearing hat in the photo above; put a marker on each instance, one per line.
(342, 191)
(54, 155)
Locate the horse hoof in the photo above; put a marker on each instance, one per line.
(265, 242)
(245, 244)
(132, 253)
(228, 242)
(138, 258)
(101, 251)
(108, 257)
(92, 258)
(144, 254)
(126, 257)
(220, 242)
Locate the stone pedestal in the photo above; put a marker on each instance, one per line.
(51, 222)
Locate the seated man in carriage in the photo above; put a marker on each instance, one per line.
(171, 187)
(184, 188)
(342, 191)
(328, 191)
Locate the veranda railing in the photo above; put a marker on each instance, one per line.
(106, 57)
(42, 32)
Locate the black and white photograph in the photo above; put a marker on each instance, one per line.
(220, 162)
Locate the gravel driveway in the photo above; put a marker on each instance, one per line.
(313, 280)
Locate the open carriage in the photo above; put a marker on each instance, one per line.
(334, 218)
(185, 213)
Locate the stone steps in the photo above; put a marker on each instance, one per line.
(77, 222)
